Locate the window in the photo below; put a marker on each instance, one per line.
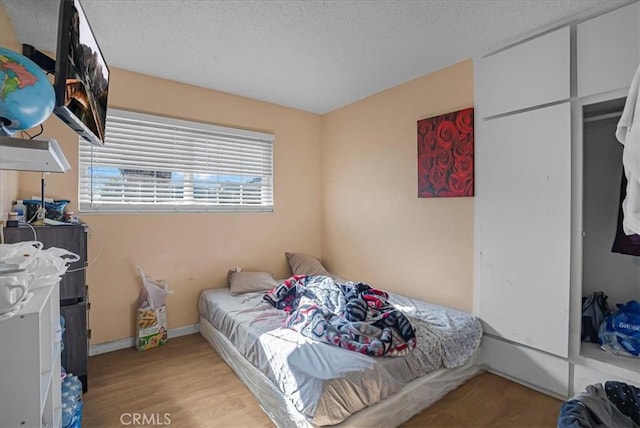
(157, 164)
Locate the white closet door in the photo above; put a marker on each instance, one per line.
(523, 224)
(608, 50)
(527, 75)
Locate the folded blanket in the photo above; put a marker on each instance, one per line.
(350, 315)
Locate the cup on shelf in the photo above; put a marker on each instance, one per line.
(13, 289)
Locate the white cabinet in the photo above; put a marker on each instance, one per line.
(608, 50)
(530, 74)
(537, 369)
(30, 363)
(523, 227)
(529, 197)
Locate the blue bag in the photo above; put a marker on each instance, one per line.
(54, 210)
(620, 331)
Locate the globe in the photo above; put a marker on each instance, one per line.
(26, 95)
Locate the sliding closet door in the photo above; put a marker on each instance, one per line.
(523, 221)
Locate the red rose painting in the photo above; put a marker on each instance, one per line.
(445, 155)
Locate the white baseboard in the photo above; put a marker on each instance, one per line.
(183, 331)
(130, 342)
(114, 345)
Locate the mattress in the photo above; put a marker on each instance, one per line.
(326, 384)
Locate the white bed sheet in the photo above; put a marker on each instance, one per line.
(410, 400)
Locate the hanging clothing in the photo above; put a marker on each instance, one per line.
(628, 133)
(623, 243)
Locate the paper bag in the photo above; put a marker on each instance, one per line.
(152, 313)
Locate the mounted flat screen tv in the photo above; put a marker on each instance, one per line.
(82, 76)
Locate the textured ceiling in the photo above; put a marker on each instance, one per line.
(310, 55)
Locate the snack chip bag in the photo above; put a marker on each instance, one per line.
(152, 313)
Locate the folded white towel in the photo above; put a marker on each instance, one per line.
(628, 133)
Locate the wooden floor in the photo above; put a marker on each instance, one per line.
(191, 384)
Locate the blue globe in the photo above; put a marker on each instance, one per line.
(26, 95)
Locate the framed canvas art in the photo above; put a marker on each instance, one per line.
(445, 155)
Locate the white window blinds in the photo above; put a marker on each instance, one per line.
(157, 164)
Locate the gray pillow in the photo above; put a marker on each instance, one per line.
(247, 282)
(304, 264)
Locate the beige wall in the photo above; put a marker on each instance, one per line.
(375, 229)
(192, 251)
(345, 188)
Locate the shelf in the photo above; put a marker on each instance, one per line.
(32, 155)
(609, 363)
(72, 289)
(30, 360)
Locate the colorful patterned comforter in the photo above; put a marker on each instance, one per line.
(350, 315)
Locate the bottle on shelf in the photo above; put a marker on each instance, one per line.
(21, 209)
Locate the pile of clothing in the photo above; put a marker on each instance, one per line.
(617, 404)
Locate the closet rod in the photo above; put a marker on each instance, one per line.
(603, 116)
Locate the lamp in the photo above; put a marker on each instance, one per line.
(32, 155)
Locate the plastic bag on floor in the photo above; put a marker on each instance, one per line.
(152, 313)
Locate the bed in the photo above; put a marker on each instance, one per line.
(300, 382)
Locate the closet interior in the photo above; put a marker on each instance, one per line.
(615, 271)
